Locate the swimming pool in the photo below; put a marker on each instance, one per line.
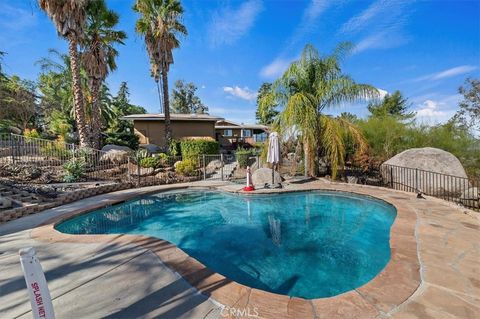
(304, 244)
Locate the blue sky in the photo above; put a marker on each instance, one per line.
(425, 49)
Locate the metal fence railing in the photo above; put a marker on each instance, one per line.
(39, 156)
(460, 190)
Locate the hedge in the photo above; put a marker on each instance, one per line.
(243, 156)
(193, 148)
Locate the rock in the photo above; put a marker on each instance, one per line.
(151, 148)
(263, 176)
(213, 166)
(471, 197)
(431, 164)
(115, 156)
(111, 147)
(30, 172)
(352, 180)
(15, 130)
(5, 202)
(176, 164)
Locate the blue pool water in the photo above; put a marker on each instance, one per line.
(307, 244)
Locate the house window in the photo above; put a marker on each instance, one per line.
(260, 138)
(227, 133)
(247, 133)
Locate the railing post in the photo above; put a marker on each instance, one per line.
(129, 176)
(391, 176)
(12, 146)
(416, 180)
(138, 173)
(221, 159)
(204, 168)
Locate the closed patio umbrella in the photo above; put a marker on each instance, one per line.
(273, 155)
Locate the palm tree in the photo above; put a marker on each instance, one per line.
(98, 56)
(69, 19)
(307, 87)
(159, 24)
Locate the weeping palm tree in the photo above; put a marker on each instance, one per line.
(307, 87)
(98, 56)
(159, 24)
(69, 18)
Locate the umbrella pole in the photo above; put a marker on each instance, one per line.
(273, 174)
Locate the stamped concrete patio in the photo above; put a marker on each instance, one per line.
(434, 271)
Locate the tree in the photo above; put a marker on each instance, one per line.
(69, 17)
(265, 113)
(55, 85)
(307, 87)
(469, 113)
(184, 99)
(160, 25)
(17, 101)
(393, 105)
(98, 56)
(119, 131)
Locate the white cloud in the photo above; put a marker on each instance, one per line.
(382, 93)
(307, 22)
(381, 40)
(228, 25)
(458, 70)
(245, 93)
(15, 18)
(381, 11)
(275, 68)
(437, 111)
(384, 20)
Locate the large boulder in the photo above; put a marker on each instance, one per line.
(263, 176)
(471, 197)
(213, 166)
(151, 148)
(112, 147)
(430, 170)
(115, 156)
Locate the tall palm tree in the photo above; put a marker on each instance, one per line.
(159, 24)
(69, 18)
(307, 87)
(98, 56)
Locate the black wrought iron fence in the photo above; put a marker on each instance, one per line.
(457, 189)
(51, 158)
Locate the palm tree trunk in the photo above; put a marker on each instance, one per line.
(96, 118)
(77, 93)
(166, 110)
(306, 157)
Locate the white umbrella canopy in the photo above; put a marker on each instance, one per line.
(273, 155)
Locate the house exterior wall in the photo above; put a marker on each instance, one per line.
(153, 132)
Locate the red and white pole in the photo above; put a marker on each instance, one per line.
(42, 307)
(249, 186)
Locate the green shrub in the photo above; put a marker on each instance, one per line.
(187, 167)
(174, 148)
(150, 162)
(190, 149)
(243, 156)
(57, 148)
(163, 158)
(74, 170)
(31, 133)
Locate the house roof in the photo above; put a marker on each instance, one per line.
(173, 117)
(242, 126)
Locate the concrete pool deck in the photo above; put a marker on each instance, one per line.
(434, 271)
